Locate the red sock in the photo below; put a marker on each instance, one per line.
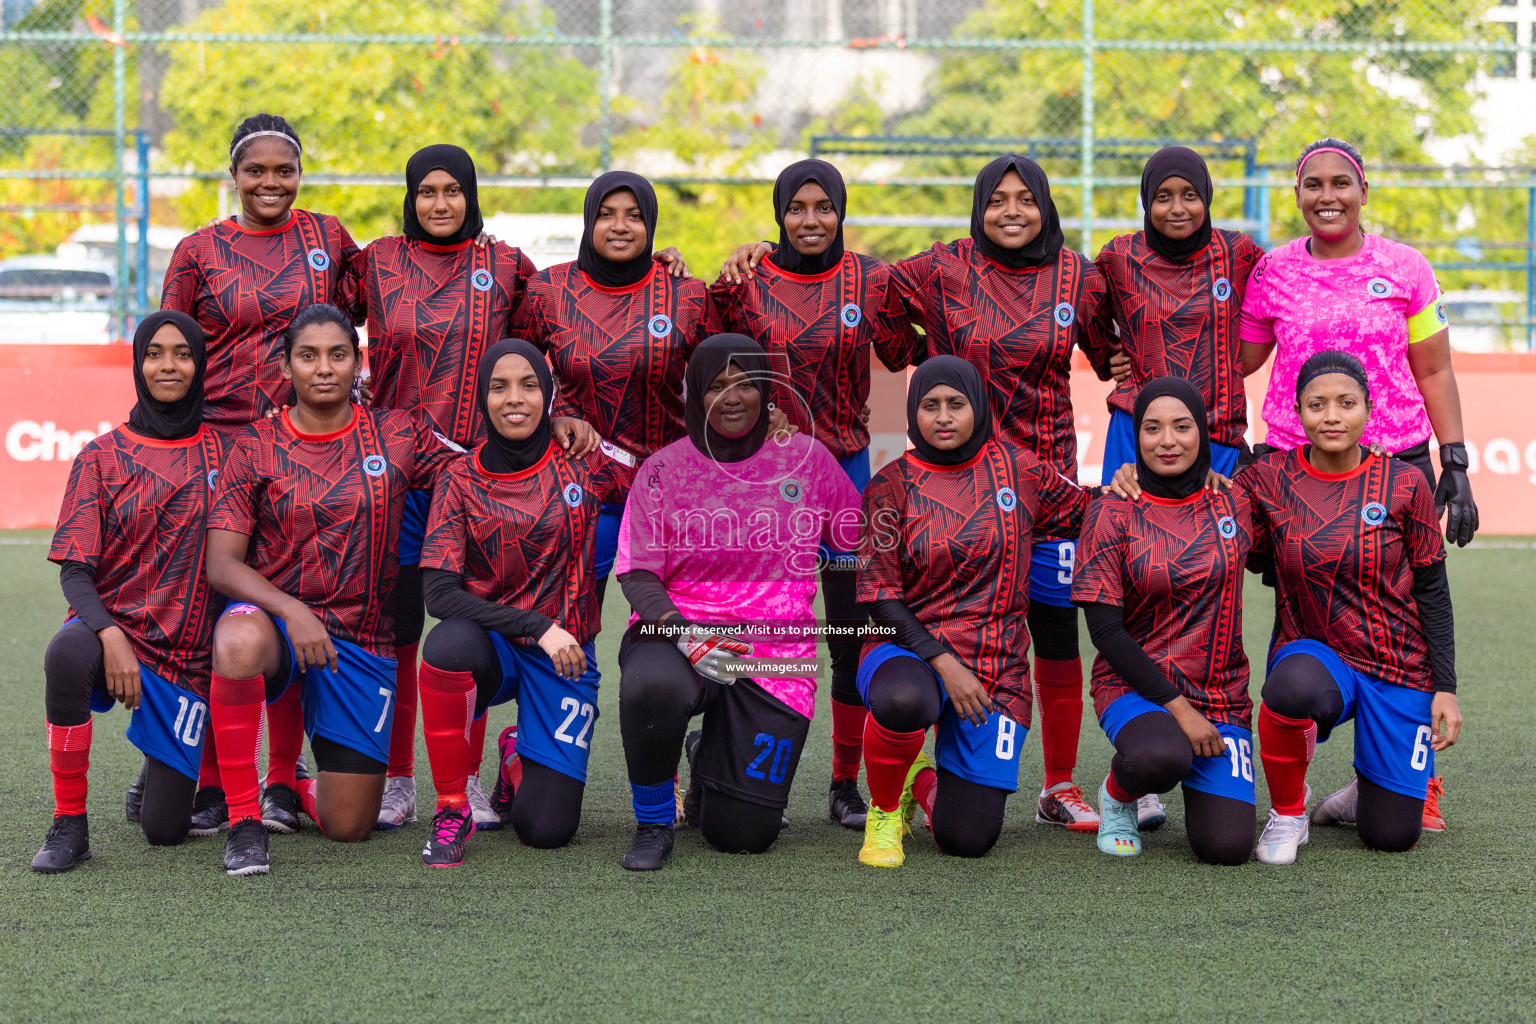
(69, 758)
(235, 705)
(285, 735)
(847, 739)
(1059, 686)
(477, 744)
(1119, 792)
(447, 704)
(208, 773)
(924, 788)
(1285, 748)
(402, 732)
(887, 758)
(306, 789)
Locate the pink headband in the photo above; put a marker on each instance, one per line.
(1330, 149)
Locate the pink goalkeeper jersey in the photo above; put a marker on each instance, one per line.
(1372, 305)
(736, 543)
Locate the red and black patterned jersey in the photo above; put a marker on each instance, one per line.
(1345, 546)
(526, 539)
(323, 512)
(432, 311)
(1176, 569)
(619, 353)
(1018, 328)
(135, 513)
(952, 543)
(817, 331)
(1180, 320)
(243, 287)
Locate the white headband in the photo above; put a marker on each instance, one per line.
(235, 150)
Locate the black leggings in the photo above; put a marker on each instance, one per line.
(732, 825)
(73, 666)
(1300, 686)
(547, 807)
(905, 696)
(840, 589)
(1152, 755)
(410, 606)
(1053, 630)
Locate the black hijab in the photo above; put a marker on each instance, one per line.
(1176, 162)
(790, 181)
(964, 378)
(168, 421)
(1174, 488)
(708, 361)
(457, 163)
(501, 454)
(1045, 246)
(600, 269)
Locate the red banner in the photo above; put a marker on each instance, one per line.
(55, 398)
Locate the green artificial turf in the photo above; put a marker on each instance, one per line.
(1045, 928)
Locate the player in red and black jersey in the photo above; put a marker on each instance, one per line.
(302, 537)
(507, 565)
(1365, 627)
(817, 310)
(1013, 301)
(945, 572)
(618, 329)
(130, 546)
(1173, 293)
(1161, 584)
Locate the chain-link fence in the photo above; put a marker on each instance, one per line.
(115, 137)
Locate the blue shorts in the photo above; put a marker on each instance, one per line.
(413, 525)
(1120, 448)
(986, 754)
(1392, 728)
(352, 706)
(555, 716)
(1230, 775)
(1050, 571)
(856, 465)
(607, 550)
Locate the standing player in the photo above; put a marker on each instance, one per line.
(243, 280)
(1160, 581)
(508, 570)
(817, 310)
(618, 330)
(722, 532)
(944, 569)
(302, 537)
(1013, 301)
(130, 547)
(1365, 627)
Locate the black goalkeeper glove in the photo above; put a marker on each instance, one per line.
(1453, 496)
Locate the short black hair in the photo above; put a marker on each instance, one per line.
(1332, 361)
(263, 123)
(318, 313)
(1331, 143)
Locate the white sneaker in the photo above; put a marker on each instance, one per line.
(1339, 808)
(1284, 834)
(486, 818)
(1150, 814)
(399, 804)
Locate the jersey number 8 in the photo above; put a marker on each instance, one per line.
(1007, 729)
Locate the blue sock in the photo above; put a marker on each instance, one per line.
(654, 805)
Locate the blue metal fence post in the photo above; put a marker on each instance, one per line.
(141, 257)
(1530, 266)
(119, 151)
(1088, 116)
(605, 79)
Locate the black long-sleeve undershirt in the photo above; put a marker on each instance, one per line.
(647, 595)
(1432, 593)
(1106, 627)
(909, 632)
(79, 587)
(446, 598)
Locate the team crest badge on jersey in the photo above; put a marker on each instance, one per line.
(790, 490)
(1065, 314)
(659, 325)
(1374, 514)
(482, 280)
(572, 495)
(1221, 289)
(1378, 287)
(851, 315)
(319, 259)
(1006, 499)
(1227, 527)
(374, 465)
(1440, 316)
(213, 478)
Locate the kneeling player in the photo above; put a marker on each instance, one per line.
(507, 568)
(316, 495)
(130, 545)
(1364, 624)
(722, 530)
(945, 570)
(1161, 585)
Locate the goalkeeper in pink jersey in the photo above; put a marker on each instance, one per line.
(718, 558)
